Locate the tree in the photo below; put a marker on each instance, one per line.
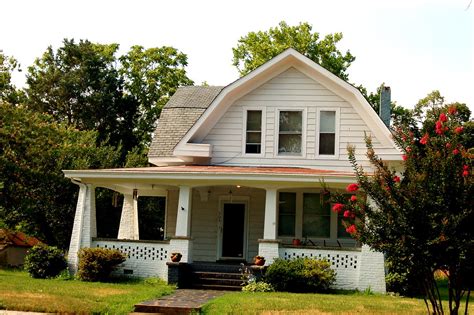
(8, 91)
(151, 77)
(36, 197)
(87, 86)
(421, 218)
(256, 48)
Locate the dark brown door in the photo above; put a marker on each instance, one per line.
(233, 230)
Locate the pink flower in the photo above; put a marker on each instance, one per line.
(452, 110)
(338, 207)
(465, 167)
(443, 117)
(396, 179)
(425, 138)
(455, 151)
(448, 145)
(459, 130)
(353, 198)
(347, 214)
(404, 157)
(439, 127)
(465, 173)
(351, 229)
(408, 149)
(352, 187)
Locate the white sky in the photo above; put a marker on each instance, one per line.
(414, 46)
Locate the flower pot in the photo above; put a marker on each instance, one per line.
(296, 242)
(176, 257)
(259, 261)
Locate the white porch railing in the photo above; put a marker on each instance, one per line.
(145, 258)
(345, 261)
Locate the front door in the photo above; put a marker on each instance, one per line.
(233, 230)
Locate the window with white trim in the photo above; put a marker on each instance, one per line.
(290, 132)
(316, 215)
(327, 132)
(286, 213)
(253, 132)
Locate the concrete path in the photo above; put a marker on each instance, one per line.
(183, 301)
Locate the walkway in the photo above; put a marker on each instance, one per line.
(183, 301)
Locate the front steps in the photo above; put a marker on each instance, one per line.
(216, 276)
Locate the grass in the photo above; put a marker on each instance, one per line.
(297, 303)
(21, 293)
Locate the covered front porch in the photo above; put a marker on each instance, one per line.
(225, 214)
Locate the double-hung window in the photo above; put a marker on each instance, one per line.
(286, 213)
(253, 132)
(327, 132)
(316, 215)
(290, 132)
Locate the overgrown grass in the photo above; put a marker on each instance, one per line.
(297, 303)
(20, 292)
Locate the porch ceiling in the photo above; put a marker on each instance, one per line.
(194, 175)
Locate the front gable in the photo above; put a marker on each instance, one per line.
(293, 85)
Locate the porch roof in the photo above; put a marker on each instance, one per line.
(196, 175)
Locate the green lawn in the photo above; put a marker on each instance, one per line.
(20, 292)
(294, 303)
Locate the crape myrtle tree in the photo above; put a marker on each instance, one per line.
(422, 217)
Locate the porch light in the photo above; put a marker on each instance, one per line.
(238, 186)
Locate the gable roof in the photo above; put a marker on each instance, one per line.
(287, 59)
(179, 115)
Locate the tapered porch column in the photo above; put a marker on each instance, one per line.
(182, 241)
(85, 227)
(269, 246)
(128, 228)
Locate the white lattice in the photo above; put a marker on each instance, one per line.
(338, 259)
(144, 259)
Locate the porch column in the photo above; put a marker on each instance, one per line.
(128, 228)
(269, 246)
(85, 227)
(182, 242)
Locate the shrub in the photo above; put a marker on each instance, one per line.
(96, 264)
(300, 275)
(45, 261)
(258, 287)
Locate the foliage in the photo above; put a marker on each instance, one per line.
(75, 297)
(422, 217)
(96, 264)
(45, 261)
(36, 197)
(256, 48)
(151, 76)
(300, 275)
(8, 92)
(255, 286)
(87, 86)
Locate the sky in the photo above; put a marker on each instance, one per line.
(413, 46)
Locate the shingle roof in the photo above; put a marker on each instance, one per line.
(179, 115)
(16, 238)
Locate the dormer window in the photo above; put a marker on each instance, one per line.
(290, 132)
(253, 134)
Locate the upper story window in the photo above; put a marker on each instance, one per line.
(253, 135)
(290, 133)
(327, 132)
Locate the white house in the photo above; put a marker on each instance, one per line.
(241, 168)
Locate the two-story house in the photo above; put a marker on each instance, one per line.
(242, 168)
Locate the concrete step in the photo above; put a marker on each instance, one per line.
(216, 287)
(221, 275)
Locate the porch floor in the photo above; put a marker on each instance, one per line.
(183, 301)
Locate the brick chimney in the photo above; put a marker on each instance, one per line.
(385, 105)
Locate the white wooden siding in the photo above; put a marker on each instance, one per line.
(291, 89)
(204, 220)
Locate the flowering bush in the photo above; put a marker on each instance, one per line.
(422, 217)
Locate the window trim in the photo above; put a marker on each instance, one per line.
(245, 109)
(336, 131)
(276, 134)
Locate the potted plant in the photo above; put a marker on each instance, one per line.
(176, 257)
(259, 260)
